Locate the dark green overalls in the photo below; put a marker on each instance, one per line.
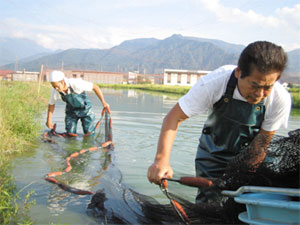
(78, 107)
(232, 124)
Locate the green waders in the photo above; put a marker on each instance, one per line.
(78, 107)
(231, 125)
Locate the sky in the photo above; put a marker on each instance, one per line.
(63, 24)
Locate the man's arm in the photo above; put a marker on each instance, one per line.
(239, 170)
(98, 92)
(49, 117)
(257, 151)
(161, 166)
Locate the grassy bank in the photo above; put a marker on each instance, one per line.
(295, 92)
(181, 90)
(20, 107)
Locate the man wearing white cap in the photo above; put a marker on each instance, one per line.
(78, 106)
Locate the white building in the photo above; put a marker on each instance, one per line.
(183, 77)
(25, 76)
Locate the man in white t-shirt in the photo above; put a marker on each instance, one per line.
(247, 106)
(78, 106)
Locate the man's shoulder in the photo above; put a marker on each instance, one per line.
(223, 70)
(79, 85)
(220, 73)
(74, 80)
(279, 96)
(280, 90)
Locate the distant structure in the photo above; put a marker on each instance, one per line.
(6, 74)
(96, 76)
(170, 76)
(183, 77)
(110, 77)
(25, 76)
(137, 78)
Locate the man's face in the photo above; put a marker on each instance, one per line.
(60, 86)
(257, 85)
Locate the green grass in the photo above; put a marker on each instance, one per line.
(20, 109)
(296, 99)
(180, 90)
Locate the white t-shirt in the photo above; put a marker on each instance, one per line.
(78, 85)
(210, 88)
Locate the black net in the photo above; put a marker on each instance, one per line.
(280, 168)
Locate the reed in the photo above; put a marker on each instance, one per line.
(20, 108)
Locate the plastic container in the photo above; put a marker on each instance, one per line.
(269, 208)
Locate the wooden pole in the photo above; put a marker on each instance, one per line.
(40, 78)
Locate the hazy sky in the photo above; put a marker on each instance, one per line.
(62, 24)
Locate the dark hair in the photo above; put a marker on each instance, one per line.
(264, 56)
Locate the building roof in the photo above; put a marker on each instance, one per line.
(185, 71)
(5, 72)
(94, 71)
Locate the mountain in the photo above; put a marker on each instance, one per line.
(178, 52)
(292, 72)
(150, 55)
(293, 60)
(14, 49)
(221, 44)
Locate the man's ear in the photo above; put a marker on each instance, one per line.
(237, 72)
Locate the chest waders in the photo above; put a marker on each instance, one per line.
(231, 125)
(78, 107)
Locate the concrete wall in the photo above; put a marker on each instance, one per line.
(25, 76)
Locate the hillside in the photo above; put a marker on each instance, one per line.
(14, 49)
(150, 55)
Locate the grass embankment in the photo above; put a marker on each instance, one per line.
(181, 90)
(20, 107)
(295, 93)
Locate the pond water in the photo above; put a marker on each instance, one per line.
(137, 118)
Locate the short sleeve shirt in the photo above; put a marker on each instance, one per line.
(78, 85)
(210, 88)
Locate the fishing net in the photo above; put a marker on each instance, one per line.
(102, 139)
(115, 203)
(279, 169)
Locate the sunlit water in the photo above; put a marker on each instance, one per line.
(137, 118)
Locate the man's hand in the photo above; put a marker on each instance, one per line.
(49, 117)
(49, 124)
(161, 167)
(159, 170)
(106, 106)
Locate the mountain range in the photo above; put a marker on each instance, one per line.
(145, 55)
(13, 49)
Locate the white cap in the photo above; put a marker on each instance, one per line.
(56, 76)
